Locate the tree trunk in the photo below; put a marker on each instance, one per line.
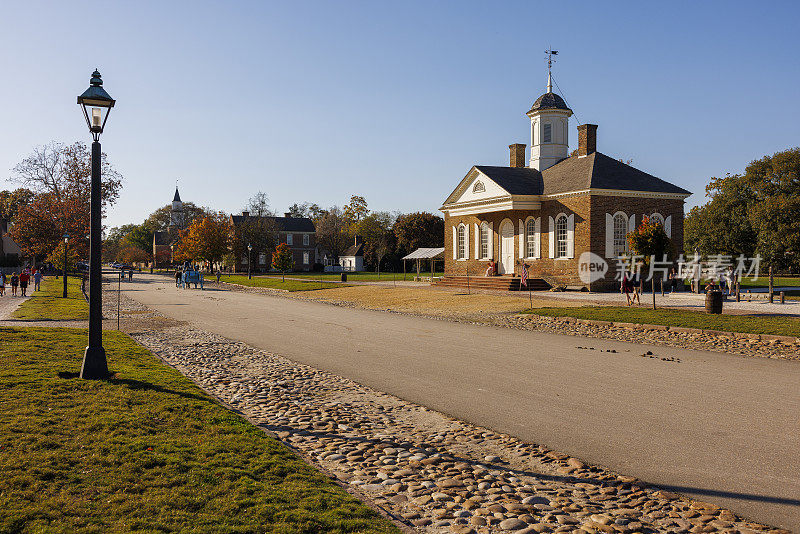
(653, 288)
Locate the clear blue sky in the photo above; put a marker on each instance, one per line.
(315, 101)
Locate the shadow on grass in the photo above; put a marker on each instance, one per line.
(138, 385)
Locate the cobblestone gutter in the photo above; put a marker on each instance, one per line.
(436, 473)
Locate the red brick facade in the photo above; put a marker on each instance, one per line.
(589, 213)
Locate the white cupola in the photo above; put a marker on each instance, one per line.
(549, 129)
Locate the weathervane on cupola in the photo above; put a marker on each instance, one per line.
(550, 53)
(549, 124)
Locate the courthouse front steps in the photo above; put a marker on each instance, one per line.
(498, 283)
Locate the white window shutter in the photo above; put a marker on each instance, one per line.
(571, 236)
(466, 241)
(609, 235)
(632, 223)
(521, 238)
(538, 238)
(668, 226)
(477, 241)
(551, 236)
(455, 243)
(491, 240)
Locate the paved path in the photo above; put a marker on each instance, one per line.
(8, 303)
(719, 427)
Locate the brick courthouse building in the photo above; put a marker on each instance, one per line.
(548, 213)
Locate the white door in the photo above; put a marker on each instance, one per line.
(507, 249)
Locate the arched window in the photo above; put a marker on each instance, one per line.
(620, 235)
(462, 242)
(561, 236)
(657, 218)
(484, 250)
(530, 238)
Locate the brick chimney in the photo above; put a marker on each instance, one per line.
(245, 214)
(517, 154)
(587, 139)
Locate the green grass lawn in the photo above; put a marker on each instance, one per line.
(271, 282)
(782, 326)
(146, 450)
(49, 305)
(763, 281)
(354, 277)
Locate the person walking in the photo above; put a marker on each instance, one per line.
(637, 287)
(177, 277)
(626, 286)
(2, 283)
(23, 282)
(14, 283)
(37, 280)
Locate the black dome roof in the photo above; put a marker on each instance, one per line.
(549, 101)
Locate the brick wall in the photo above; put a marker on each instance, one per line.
(590, 235)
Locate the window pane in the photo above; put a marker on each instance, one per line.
(530, 238)
(548, 133)
(561, 236)
(620, 235)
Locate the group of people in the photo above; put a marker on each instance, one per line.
(19, 281)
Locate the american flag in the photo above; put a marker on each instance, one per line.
(524, 282)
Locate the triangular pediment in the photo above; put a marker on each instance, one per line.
(475, 186)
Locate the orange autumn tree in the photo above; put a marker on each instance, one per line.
(59, 176)
(282, 259)
(650, 241)
(207, 238)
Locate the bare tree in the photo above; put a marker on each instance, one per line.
(57, 168)
(258, 205)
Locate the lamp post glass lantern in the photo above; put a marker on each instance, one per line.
(249, 270)
(66, 241)
(96, 104)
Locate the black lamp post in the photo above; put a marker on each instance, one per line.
(66, 240)
(96, 104)
(249, 273)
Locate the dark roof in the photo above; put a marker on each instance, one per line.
(515, 180)
(162, 238)
(595, 171)
(177, 197)
(354, 250)
(598, 171)
(284, 224)
(549, 101)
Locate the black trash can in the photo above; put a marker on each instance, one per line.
(344, 277)
(714, 301)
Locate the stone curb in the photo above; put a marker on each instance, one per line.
(677, 329)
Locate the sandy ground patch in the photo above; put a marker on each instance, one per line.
(427, 301)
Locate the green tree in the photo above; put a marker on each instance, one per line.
(650, 241)
(56, 257)
(334, 231)
(419, 230)
(282, 259)
(775, 184)
(158, 221)
(723, 225)
(10, 201)
(357, 209)
(376, 230)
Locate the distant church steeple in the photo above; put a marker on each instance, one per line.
(549, 125)
(176, 216)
